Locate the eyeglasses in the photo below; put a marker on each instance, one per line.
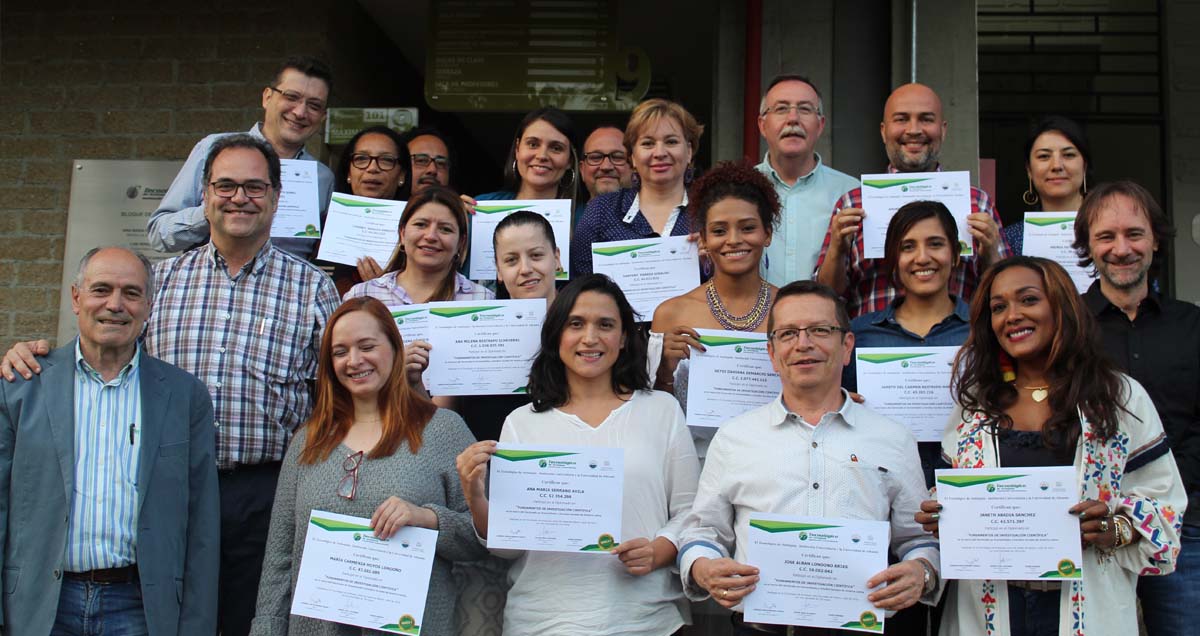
(228, 189)
(422, 160)
(314, 106)
(802, 110)
(617, 158)
(362, 161)
(815, 332)
(348, 487)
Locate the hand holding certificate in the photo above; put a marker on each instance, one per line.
(1009, 523)
(298, 213)
(349, 576)
(649, 270)
(883, 194)
(733, 375)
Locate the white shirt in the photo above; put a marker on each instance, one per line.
(853, 464)
(562, 593)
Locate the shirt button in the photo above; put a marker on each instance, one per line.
(57, 574)
(220, 349)
(814, 444)
(1137, 356)
(816, 485)
(228, 315)
(218, 385)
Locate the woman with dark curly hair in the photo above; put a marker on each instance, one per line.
(1034, 388)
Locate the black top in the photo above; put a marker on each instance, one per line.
(1022, 449)
(1161, 350)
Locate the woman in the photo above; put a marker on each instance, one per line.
(376, 165)
(541, 162)
(1034, 388)
(1057, 161)
(372, 448)
(661, 139)
(735, 209)
(589, 387)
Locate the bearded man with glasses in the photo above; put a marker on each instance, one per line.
(294, 106)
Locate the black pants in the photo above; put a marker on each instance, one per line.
(247, 494)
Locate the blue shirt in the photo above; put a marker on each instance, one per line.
(881, 329)
(804, 218)
(615, 216)
(102, 529)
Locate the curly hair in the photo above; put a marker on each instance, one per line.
(738, 181)
(1079, 374)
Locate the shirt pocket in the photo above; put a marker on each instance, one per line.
(861, 490)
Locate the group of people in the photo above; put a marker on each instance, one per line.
(214, 399)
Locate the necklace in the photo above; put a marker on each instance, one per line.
(1040, 393)
(750, 321)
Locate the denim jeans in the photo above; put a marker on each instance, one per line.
(1033, 613)
(1171, 604)
(99, 609)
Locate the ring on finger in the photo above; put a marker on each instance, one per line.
(1103, 526)
(724, 593)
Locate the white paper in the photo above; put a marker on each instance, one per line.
(649, 270)
(488, 215)
(883, 194)
(555, 498)
(360, 226)
(298, 214)
(348, 576)
(813, 571)
(483, 347)
(412, 320)
(1050, 235)
(910, 385)
(1009, 524)
(732, 376)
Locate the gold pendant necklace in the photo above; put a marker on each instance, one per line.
(1039, 393)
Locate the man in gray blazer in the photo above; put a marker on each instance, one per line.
(109, 514)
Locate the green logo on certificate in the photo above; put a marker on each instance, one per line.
(543, 463)
(357, 537)
(904, 364)
(991, 487)
(407, 622)
(475, 317)
(605, 542)
(804, 536)
(868, 619)
(1066, 567)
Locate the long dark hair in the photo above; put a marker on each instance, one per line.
(404, 163)
(448, 198)
(568, 186)
(548, 376)
(1078, 372)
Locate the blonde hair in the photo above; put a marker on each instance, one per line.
(651, 111)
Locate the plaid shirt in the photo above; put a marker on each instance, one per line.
(871, 289)
(252, 339)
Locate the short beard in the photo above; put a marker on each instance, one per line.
(900, 161)
(1135, 282)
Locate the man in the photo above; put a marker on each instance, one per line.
(430, 153)
(604, 165)
(246, 319)
(912, 130)
(293, 109)
(1124, 234)
(108, 491)
(811, 452)
(792, 118)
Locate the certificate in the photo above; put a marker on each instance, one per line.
(908, 384)
(488, 215)
(732, 376)
(360, 226)
(814, 571)
(348, 576)
(1050, 235)
(1009, 523)
(883, 194)
(412, 321)
(555, 498)
(298, 214)
(649, 270)
(483, 347)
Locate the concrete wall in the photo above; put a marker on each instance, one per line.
(1181, 23)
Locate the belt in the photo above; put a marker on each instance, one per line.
(245, 468)
(127, 574)
(1037, 586)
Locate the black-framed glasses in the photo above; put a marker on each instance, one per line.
(227, 188)
(815, 332)
(348, 486)
(595, 158)
(312, 105)
(422, 161)
(802, 109)
(362, 161)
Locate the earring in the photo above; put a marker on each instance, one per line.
(1008, 369)
(1085, 183)
(515, 173)
(636, 181)
(1029, 196)
(689, 174)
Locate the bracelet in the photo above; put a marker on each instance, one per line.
(1123, 531)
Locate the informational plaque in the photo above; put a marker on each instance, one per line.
(345, 122)
(111, 202)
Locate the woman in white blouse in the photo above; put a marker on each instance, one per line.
(590, 387)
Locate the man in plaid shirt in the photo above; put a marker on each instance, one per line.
(912, 131)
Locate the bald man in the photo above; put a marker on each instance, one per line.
(912, 130)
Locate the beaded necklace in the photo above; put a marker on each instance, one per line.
(750, 321)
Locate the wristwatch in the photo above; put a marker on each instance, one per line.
(1123, 530)
(930, 577)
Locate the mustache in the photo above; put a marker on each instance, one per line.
(1122, 260)
(793, 130)
(918, 137)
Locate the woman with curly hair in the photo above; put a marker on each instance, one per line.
(1034, 388)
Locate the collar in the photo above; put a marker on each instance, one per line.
(775, 175)
(1098, 303)
(81, 364)
(635, 208)
(892, 169)
(255, 266)
(961, 309)
(779, 412)
(256, 131)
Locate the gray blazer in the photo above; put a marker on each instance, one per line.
(178, 528)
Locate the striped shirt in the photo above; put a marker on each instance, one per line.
(252, 338)
(102, 530)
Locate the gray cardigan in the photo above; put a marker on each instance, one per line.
(428, 479)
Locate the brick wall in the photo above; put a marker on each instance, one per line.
(140, 80)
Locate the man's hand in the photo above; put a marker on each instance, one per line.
(905, 585)
(842, 228)
(22, 358)
(725, 579)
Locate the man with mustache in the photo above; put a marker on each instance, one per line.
(604, 165)
(1124, 234)
(429, 149)
(294, 106)
(912, 130)
(792, 118)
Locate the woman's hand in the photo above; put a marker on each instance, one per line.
(395, 513)
(637, 555)
(677, 345)
(1096, 525)
(928, 516)
(416, 360)
(368, 268)
(472, 468)
(468, 203)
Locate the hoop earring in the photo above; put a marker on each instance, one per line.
(1030, 197)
